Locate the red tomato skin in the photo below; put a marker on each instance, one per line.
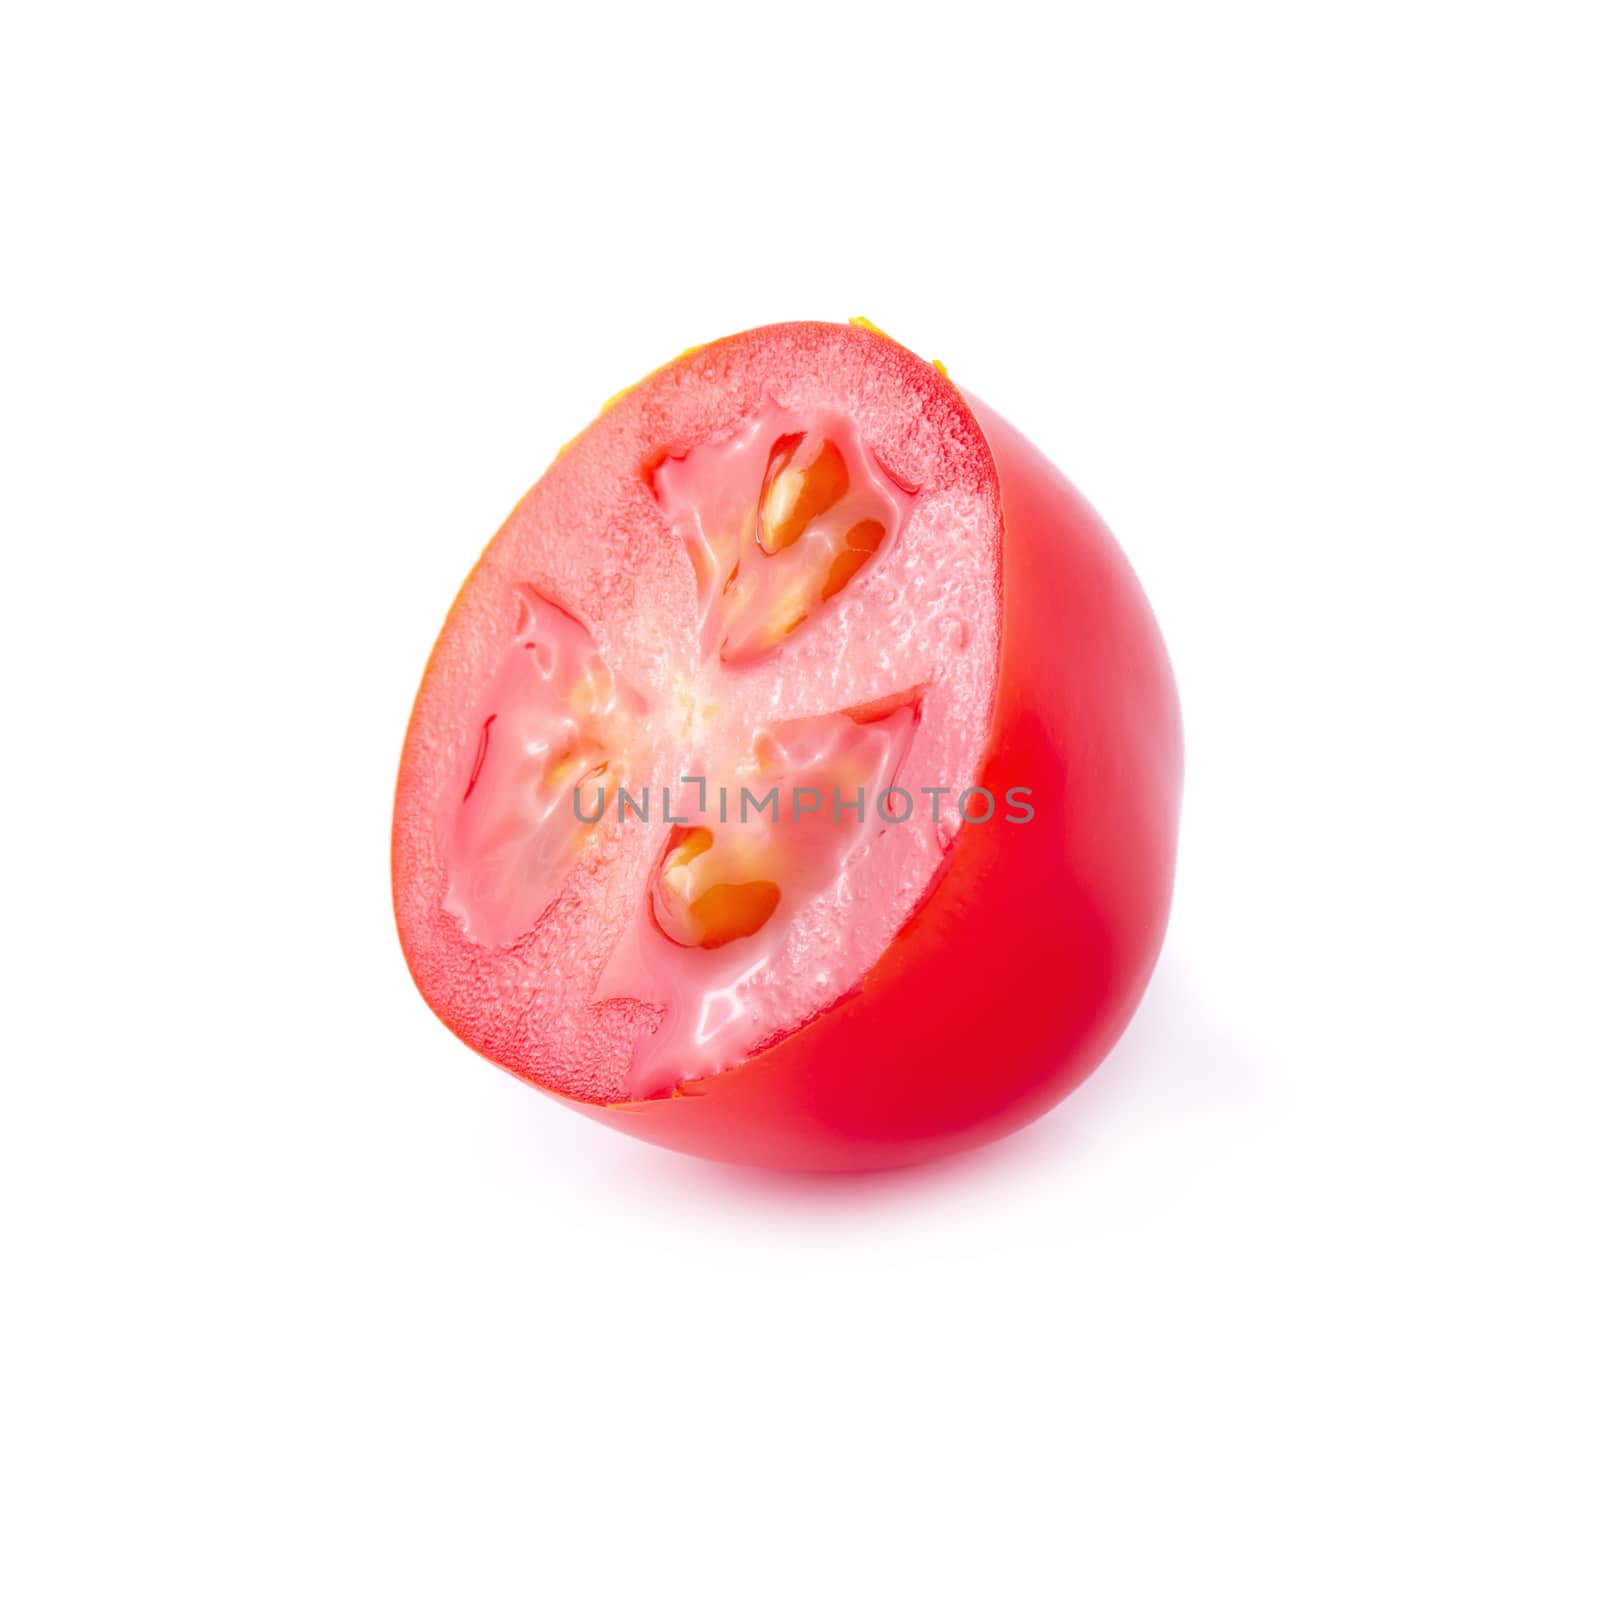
(1027, 958)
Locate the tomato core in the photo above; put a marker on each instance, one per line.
(756, 830)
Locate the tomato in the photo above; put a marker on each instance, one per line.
(796, 778)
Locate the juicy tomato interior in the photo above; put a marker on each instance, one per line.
(727, 815)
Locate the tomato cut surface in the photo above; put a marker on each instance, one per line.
(795, 779)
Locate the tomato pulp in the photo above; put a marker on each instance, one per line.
(795, 780)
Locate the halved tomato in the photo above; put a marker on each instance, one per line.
(795, 780)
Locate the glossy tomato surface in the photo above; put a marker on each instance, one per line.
(813, 543)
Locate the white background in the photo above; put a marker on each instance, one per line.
(1294, 1297)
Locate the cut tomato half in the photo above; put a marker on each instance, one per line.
(795, 780)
